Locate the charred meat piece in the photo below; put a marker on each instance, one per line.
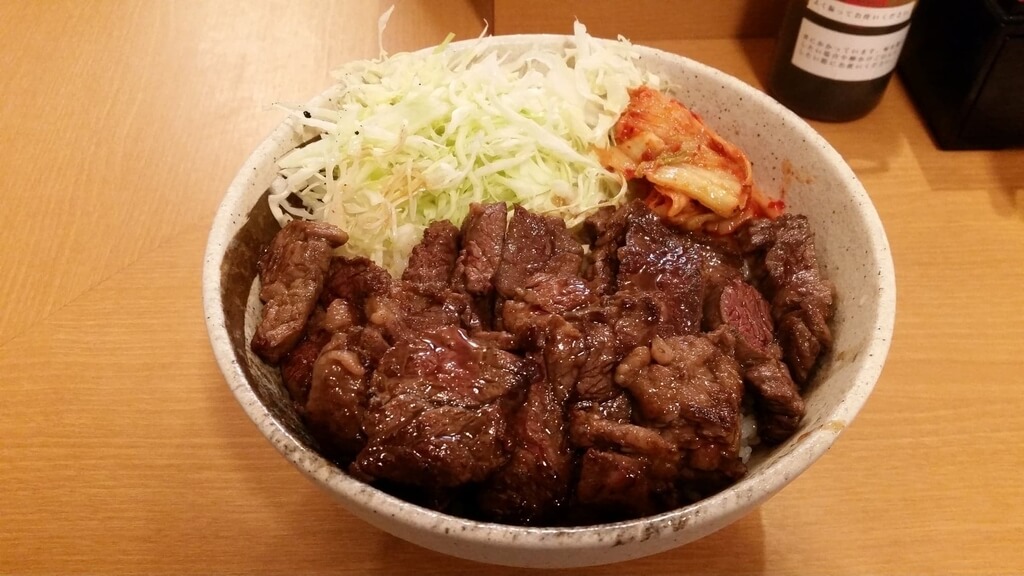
(370, 343)
(592, 429)
(535, 483)
(615, 486)
(609, 330)
(801, 298)
(741, 312)
(778, 403)
(690, 390)
(362, 277)
(432, 260)
(546, 296)
(496, 338)
(297, 365)
(594, 379)
(336, 406)
(805, 337)
(636, 317)
(411, 308)
(545, 300)
(424, 299)
(556, 293)
(355, 280)
(722, 261)
(656, 259)
(438, 410)
(534, 486)
(606, 231)
(562, 357)
(740, 306)
(618, 408)
(538, 277)
(627, 470)
(435, 446)
(350, 281)
(483, 236)
(292, 274)
(527, 324)
(535, 244)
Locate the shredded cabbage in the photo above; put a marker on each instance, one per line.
(411, 138)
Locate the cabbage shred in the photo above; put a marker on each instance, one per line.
(411, 138)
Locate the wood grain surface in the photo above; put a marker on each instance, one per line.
(642, 20)
(122, 450)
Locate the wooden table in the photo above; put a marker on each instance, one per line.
(122, 450)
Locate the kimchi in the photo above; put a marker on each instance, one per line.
(689, 173)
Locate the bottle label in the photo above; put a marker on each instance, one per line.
(864, 15)
(850, 57)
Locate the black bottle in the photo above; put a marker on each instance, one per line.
(834, 58)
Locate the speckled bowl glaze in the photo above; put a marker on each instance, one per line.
(787, 154)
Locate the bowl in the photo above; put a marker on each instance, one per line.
(786, 154)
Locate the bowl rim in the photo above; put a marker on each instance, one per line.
(697, 519)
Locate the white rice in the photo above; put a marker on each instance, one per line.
(748, 434)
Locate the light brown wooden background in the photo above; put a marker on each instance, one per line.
(121, 449)
(642, 20)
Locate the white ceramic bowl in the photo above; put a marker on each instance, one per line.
(852, 248)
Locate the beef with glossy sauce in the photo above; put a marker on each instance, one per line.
(438, 410)
(513, 376)
(739, 308)
(292, 272)
(800, 296)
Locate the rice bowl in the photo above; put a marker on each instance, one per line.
(852, 248)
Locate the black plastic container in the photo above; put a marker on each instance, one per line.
(963, 65)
